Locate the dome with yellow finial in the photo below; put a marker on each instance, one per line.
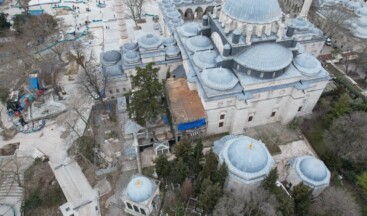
(140, 188)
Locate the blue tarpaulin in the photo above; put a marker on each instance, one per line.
(33, 82)
(191, 125)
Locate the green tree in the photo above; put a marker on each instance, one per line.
(183, 150)
(221, 175)
(180, 171)
(211, 164)
(19, 21)
(209, 195)
(4, 24)
(144, 102)
(197, 157)
(362, 181)
(84, 146)
(162, 167)
(341, 106)
(4, 95)
(269, 182)
(302, 199)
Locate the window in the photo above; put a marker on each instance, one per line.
(299, 109)
(261, 74)
(273, 114)
(124, 89)
(117, 90)
(129, 205)
(250, 118)
(111, 92)
(136, 208)
(249, 72)
(221, 124)
(222, 116)
(142, 211)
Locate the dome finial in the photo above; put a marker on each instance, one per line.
(250, 146)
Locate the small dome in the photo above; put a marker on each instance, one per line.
(150, 41)
(219, 78)
(317, 31)
(177, 1)
(169, 9)
(176, 22)
(187, 1)
(313, 169)
(307, 64)
(362, 22)
(253, 11)
(173, 14)
(362, 11)
(111, 57)
(166, 1)
(353, 5)
(139, 189)
(265, 57)
(190, 29)
(131, 56)
(130, 46)
(199, 43)
(205, 59)
(172, 51)
(299, 23)
(168, 6)
(170, 41)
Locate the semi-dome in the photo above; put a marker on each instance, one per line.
(248, 160)
(219, 78)
(307, 64)
(362, 11)
(173, 14)
(139, 189)
(199, 43)
(206, 59)
(172, 51)
(111, 57)
(190, 29)
(170, 41)
(150, 41)
(253, 11)
(130, 46)
(265, 57)
(131, 56)
(312, 171)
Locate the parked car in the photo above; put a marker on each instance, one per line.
(328, 41)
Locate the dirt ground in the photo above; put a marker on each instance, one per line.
(39, 179)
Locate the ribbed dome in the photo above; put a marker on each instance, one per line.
(253, 11)
(199, 43)
(150, 41)
(266, 57)
(131, 56)
(307, 64)
(139, 189)
(362, 11)
(111, 57)
(247, 157)
(176, 22)
(173, 14)
(219, 78)
(172, 51)
(205, 59)
(130, 46)
(190, 29)
(169, 41)
(313, 169)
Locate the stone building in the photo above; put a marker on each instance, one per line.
(310, 171)
(141, 196)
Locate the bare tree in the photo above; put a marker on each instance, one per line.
(347, 137)
(335, 201)
(186, 189)
(24, 4)
(135, 10)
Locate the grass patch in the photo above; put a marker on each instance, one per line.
(316, 138)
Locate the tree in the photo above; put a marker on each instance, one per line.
(197, 158)
(24, 4)
(209, 195)
(144, 103)
(221, 175)
(335, 201)
(302, 199)
(162, 167)
(269, 182)
(4, 95)
(186, 190)
(84, 146)
(362, 181)
(135, 8)
(179, 172)
(347, 137)
(211, 164)
(183, 150)
(4, 24)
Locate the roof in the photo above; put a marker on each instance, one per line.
(307, 64)
(253, 11)
(312, 171)
(185, 105)
(140, 188)
(132, 127)
(248, 160)
(267, 57)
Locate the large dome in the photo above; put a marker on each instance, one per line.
(139, 189)
(219, 78)
(253, 11)
(265, 57)
(307, 64)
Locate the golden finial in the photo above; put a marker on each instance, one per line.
(138, 184)
(250, 146)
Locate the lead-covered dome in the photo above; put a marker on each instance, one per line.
(307, 64)
(111, 57)
(248, 160)
(170, 41)
(176, 22)
(150, 41)
(219, 78)
(312, 171)
(199, 43)
(131, 56)
(253, 11)
(139, 189)
(265, 57)
(189, 29)
(130, 46)
(362, 11)
(299, 23)
(206, 59)
(172, 51)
